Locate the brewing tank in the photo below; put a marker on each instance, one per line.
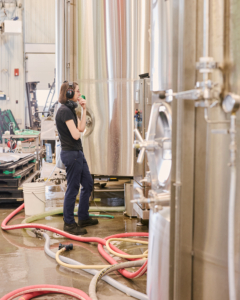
(181, 33)
(112, 50)
(212, 157)
(200, 146)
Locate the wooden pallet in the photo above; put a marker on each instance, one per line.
(12, 195)
(31, 178)
(19, 177)
(12, 169)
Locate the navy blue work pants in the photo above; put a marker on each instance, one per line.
(77, 173)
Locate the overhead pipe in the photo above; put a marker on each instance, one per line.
(69, 39)
(60, 44)
(205, 34)
(206, 28)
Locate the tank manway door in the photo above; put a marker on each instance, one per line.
(158, 146)
(90, 121)
(163, 153)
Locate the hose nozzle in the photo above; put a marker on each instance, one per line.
(67, 247)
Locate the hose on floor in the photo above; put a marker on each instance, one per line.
(101, 242)
(144, 255)
(127, 256)
(33, 295)
(109, 269)
(116, 284)
(76, 266)
(78, 294)
(99, 216)
(59, 211)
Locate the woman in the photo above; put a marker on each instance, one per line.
(69, 128)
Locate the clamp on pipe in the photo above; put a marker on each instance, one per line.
(162, 199)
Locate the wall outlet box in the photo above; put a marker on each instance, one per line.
(13, 27)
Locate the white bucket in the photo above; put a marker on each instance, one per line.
(59, 162)
(34, 198)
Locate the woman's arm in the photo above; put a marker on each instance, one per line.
(73, 129)
(82, 122)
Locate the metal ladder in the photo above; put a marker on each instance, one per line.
(48, 102)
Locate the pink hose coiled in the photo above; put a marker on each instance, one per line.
(33, 295)
(44, 289)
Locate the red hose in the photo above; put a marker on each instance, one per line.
(32, 295)
(78, 294)
(45, 227)
(125, 273)
(101, 242)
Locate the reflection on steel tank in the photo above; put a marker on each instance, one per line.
(113, 49)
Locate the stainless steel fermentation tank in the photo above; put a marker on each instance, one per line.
(112, 50)
(182, 32)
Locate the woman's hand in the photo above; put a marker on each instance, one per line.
(82, 102)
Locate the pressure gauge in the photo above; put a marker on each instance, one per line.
(231, 103)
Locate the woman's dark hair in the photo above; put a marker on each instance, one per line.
(63, 90)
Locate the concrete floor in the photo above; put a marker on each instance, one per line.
(23, 261)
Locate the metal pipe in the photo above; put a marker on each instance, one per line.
(60, 45)
(231, 210)
(205, 33)
(205, 28)
(226, 43)
(194, 94)
(70, 48)
(75, 40)
(178, 184)
(213, 122)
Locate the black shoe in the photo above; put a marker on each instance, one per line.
(87, 222)
(74, 229)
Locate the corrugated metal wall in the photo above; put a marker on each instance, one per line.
(39, 21)
(39, 26)
(11, 57)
